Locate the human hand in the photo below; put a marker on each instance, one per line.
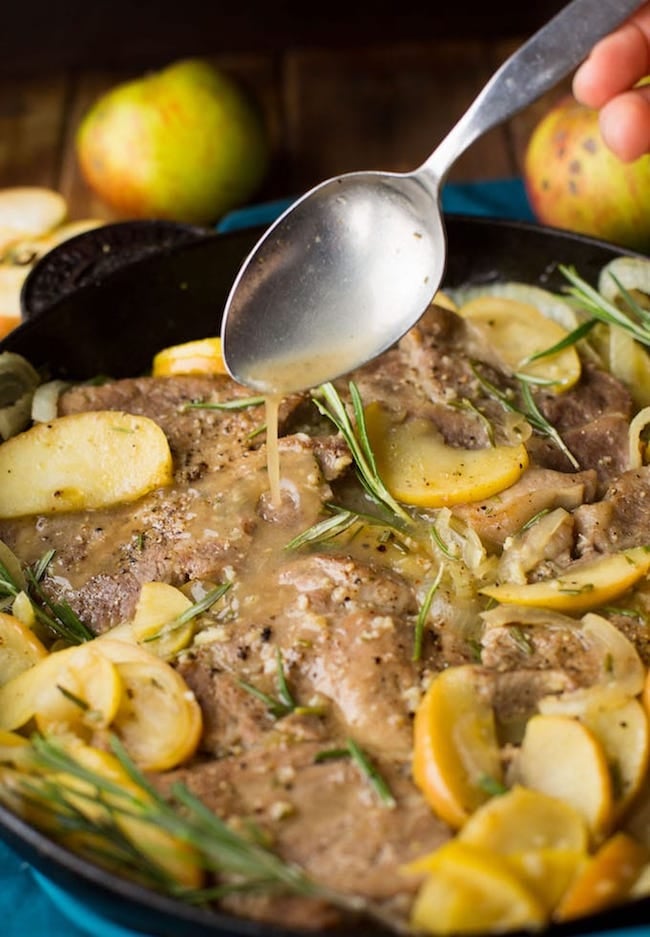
(606, 81)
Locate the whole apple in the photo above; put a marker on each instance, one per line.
(184, 144)
(575, 182)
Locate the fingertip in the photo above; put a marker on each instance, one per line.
(625, 126)
(588, 86)
(615, 64)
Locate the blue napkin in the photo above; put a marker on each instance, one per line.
(30, 904)
(498, 198)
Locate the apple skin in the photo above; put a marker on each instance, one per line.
(574, 182)
(183, 144)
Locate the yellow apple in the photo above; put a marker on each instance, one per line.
(575, 183)
(185, 143)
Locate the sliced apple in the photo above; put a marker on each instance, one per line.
(455, 749)
(37, 689)
(11, 284)
(518, 331)
(582, 587)
(623, 732)
(419, 468)
(159, 606)
(606, 880)
(82, 461)
(471, 890)
(561, 757)
(20, 649)
(543, 838)
(84, 695)
(522, 819)
(202, 356)
(550, 305)
(548, 872)
(159, 720)
(445, 301)
(29, 211)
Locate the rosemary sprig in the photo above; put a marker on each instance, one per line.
(194, 610)
(329, 404)
(59, 787)
(341, 520)
(572, 338)
(284, 704)
(58, 617)
(537, 420)
(337, 523)
(423, 615)
(635, 321)
(491, 785)
(366, 767)
(529, 410)
(243, 403)
(220, 848)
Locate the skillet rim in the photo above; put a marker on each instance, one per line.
(124, 901)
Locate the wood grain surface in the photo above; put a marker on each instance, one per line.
(381, 103)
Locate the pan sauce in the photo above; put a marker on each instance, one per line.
(343, 613)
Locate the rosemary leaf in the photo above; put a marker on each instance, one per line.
(587, 297)
(329, 404)
(539, 421)
(340, 521)
(571, 339)
(529, 410)
(243, 403)
(208, 600)
(491, 785)
(284, 694)
(285, 704)
(58, 617)
(423, 614)
(369, 771)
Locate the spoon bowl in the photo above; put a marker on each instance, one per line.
(353, 263)
(313, 313)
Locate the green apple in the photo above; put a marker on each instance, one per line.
(575, 182)
(184, 143)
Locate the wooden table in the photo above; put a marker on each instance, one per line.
(383, 105)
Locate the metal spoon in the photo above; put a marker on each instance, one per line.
(353, 263)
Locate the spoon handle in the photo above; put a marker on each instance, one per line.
(536, 67)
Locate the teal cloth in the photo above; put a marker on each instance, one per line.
(33, 906)
(498, 198)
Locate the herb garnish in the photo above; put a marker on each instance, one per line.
(423, 614)
(194, 610)
(58, 617)
(329, 404)
(284, 704)
(340, 520)
(242, 403)
(366, 767)
(529, 410)
(94, 809)
(635, 321)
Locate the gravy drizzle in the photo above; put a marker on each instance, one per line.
(272, 406)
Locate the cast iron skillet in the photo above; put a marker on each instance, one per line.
(112, 326)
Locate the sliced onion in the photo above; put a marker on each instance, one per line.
(637, 447)
(45, 402)
(633, 274)
(548, 303)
